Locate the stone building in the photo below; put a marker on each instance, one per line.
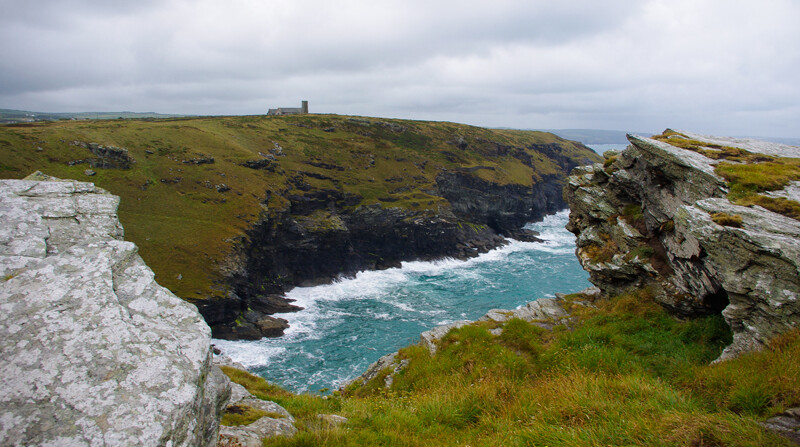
(303, 109)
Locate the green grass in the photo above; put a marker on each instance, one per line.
(187, 229)
(764, 176)
(626, 374)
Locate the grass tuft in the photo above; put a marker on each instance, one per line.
(238, 414)
(727, 220)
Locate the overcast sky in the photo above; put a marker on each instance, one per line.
(717, 66)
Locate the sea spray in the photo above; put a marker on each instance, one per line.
(350, 323)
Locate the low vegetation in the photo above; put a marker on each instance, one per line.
(749, 175)
(238, 414)
(625, 373)
(727, 220)
(599, 254)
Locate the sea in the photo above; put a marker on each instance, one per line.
(600, 148)
(347, 325)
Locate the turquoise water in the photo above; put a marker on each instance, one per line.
(351, 323)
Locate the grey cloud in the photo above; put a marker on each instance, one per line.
(617, 64)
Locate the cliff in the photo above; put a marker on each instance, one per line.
(230, 212)
(94, 351)
(707, 224)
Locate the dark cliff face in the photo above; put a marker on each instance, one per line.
(504, 208)
(321, 236)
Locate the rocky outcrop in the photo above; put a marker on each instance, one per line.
(106, 157)
(278, 421)
(94, 351)
(650, 217)
(786, 424)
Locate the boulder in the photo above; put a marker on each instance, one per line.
(252, 435)
(430, 338)
(95, 352)
(786, 424)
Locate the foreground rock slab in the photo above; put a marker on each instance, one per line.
(94, 351)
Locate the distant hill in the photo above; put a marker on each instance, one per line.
(595, 136)
(10, 116)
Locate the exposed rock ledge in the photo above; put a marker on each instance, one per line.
(645, 220)
(94, 351)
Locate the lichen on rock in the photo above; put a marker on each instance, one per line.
(95, 352)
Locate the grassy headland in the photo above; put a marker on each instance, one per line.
(184, 211)
(624, 373)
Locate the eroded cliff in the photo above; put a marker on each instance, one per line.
(679, 214)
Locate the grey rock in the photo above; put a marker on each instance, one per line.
(791, 192)
(109, 157)
(268, 406)
(265, 427)
(757, 265)
(95, 351)
(786, 424)
(224, 360)
(238, 394)
(540, 310)
(390, 360)
(749, 144)
(252, 435)
(216, 394)
(672, 246)
(430, 338)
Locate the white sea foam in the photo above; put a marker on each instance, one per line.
(322, 311)
(251, 354)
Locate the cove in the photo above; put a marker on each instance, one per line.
(350, 323)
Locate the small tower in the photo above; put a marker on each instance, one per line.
(304, 107)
